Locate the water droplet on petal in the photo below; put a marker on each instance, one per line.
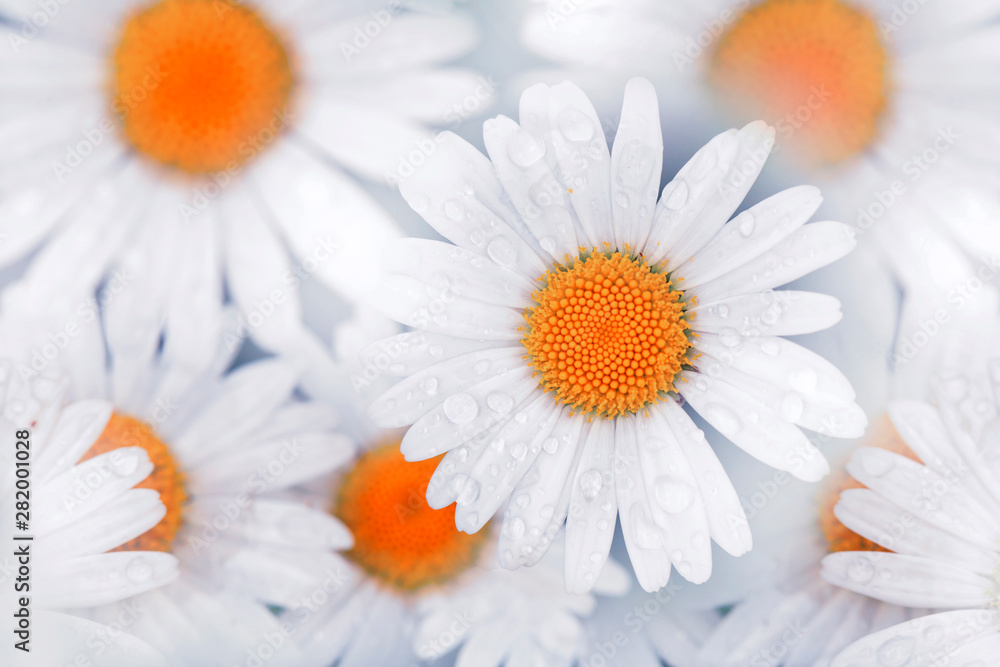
(461, 408)
(860, 570)
(675, 194)
(469, 492)
(550, 445)
(724, 419)
(429, 386)
(746, 224)
(575, 125)
(500, 403)
(590, 484)
(792, 407)
(514, 529)
(673, 495)
(524, 150)
(139, 571)
(502, 251)
(454, 210)
(896, 652)
(125, 463)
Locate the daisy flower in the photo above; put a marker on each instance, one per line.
(936, 520)
(556, 338)
(213, 139)
(409, 586)
(866, 93)
(76, 517)
(222, 445)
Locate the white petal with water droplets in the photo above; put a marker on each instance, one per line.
(458, 194)
(934, 638)
(752, 426)
(706, 191)
(413, 351)
(771, 313)
(727, 520)
(810, 247)
(417, 394)
(79, 426)
(467, 414)
(126, 517)
(416, 304)
(88, 581)
(540, 500)
(909, 581)
(749, 235)
(593, 508)
(636, 164)
(448, 270)
(536, 193)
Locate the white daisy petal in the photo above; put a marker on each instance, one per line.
(872, 516)
(89, 486)
(727, 522)
(636, 164)
(127, 516)
(581, 154)
(772, 313)
(810, 247)
(677, 504)
(437, 309)
(511, 451)
(414, 351)
(909, 581)
(458, 194)
(89, 581)
(590, 523)
(78, 427)
(749, 235)
(79, 636)
(465, 415)
(930, 496)
(541, 498)
(646, 542)
(697, 203)
(753, 427)
(933, 638)
(532, 185)
(448, 269)
(416, 395)
(242, 402)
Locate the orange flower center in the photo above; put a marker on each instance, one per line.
(607, 335)
(816, 69)
(166, 479)
(201, 85)
(398, 539)
(839, 536)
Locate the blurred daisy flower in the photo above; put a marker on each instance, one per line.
(934, 517)
(867, 93)
(186, 143)
(409, 586)
(77, 517)
(218, 446)
(557, 336)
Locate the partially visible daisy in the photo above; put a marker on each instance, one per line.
(410, 586)
(937, 517)
(191, 149)
(864, 92)
(223, 445)
(558, 335)
(76, 517)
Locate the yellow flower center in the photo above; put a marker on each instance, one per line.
(166, 479)
(816, 69)
(398, 539)
(201, 85)
(608, 334)
(839, 536)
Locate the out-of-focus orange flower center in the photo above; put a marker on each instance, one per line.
(839, 536)
(166, 479)
(607, 334)
(201, 85)
(398, 538)
(816, 69)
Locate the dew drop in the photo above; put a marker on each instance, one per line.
(500, 403)
(576, 125)
(454, 210)
(747, 224)
(524, 150)
(673, 495)
(548, 244)
(896, 652)
(125, 463)
(590, 484)
(621, 199)
(876, 463)
(514, 529)
(550, 445)
(139, 571)
(469, 492)
(675, 194)
(860, 570)
(501, 251)
(723, 418)
(792, 407)
(461, 408)
(429, 386)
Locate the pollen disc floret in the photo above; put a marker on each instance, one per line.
(608, 334)
(201, 85)
(815, 67)
(166, 478)
(839, 537)
(398, 538)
